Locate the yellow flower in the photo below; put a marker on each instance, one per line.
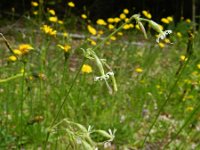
(52, 12)
(116, 20)
(183, 58)
(165, 20)
(189, 108)
(91, 30)
(170, 18)
(161, 27)
(198, 66)
(17, 52)
(110, 26)
(161, 45)
(12, 58)
(60, 22)
(146, 14)
(120, 33)
(138, 70)
(65, 34)
(113, 38)
(86, 68)
(126, 27)
(179, 34)
(92, 42)
(137, 26)
(53, 19)
(101, 22)
(110, 20)
(35, 12)
(34, 4)
(188, 20)
(48, 30)
(126, 11)
(122, 16)
(66, 48)
(84, 16)
(71, 4)
(167, 41)
(25, 48)
(100, 32)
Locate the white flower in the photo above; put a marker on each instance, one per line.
(163, 35)
(104, 77)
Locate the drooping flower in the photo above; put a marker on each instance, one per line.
(71, 4)
(91, 30)
(86, 68)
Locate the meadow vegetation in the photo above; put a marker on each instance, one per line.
(125, 82)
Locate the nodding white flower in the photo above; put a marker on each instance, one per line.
(104, 77)
(163, 35)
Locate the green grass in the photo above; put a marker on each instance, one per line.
(149, 110)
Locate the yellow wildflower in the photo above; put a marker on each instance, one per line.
(84, 16)
(12, 58)
(167, 41)
(71, 4)
(179, 34)
(122, 16)
(65, 34)
(120, 33)
(113, 38)
(161, 45)
(91, 30)
(100, 32)
(17, 52)
(131, 25)
(188, 20)
(25, 48)
(34, 4)
(92, 42)
(138, 70)
(189, 108)
(101, 22)
(161, 27)
(126, 27)
(126, 11)
(86, 68)
(66, 47)
(52, 12)
(137, 26)
(116, 20)
(170, 18)
(110, 20)
(198, 66)
(60, 22)
(165, 20)
(183, 58)
(110, 26)
(48, 30)
(35, 12)
(146, 14)
(53, 19)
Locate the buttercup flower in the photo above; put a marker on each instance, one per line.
(122, 16)
(71, 4)
(146, 14)
(48, 30)
(110, 20)
(165, 20)
(116, 20)
(25, 48)
(86, 68)
(183, 58)
(161, 45)
(188, 20)
(170, 18)
(110, 26)
(139, 70)
(52, 12)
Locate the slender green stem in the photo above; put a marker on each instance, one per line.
(167, 99)
(12, 77)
